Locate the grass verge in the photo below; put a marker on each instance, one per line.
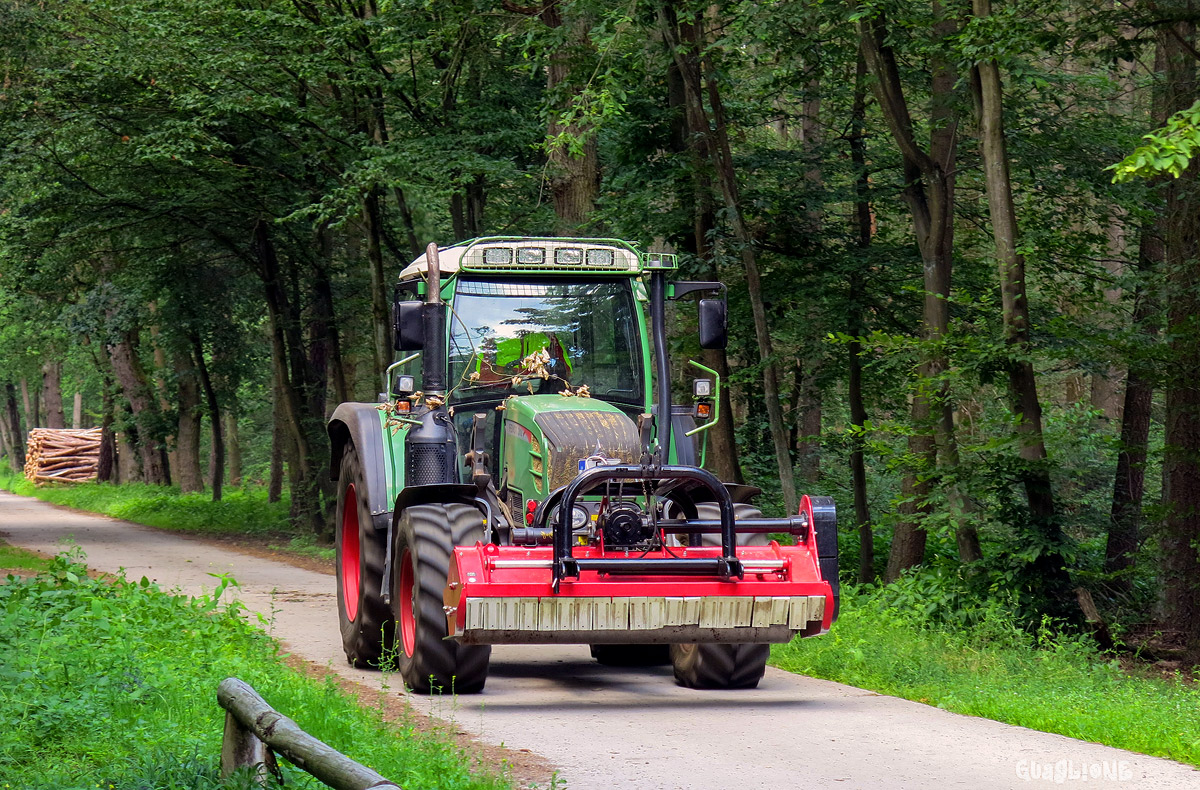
(240, 511)
(112, 684)
(20, 560)
(996, 670)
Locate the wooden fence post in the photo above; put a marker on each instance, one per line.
(253, 729)
(241, 748)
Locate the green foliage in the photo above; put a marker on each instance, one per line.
(1166, 150)
(112, 684)
(986, 665)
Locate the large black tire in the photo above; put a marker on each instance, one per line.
(722, 666)
(632, 655)
(425, 539)
(366, 621)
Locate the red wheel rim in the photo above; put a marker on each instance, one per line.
(351, 581)
(408, 617)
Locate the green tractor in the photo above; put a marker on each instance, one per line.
(526, 478)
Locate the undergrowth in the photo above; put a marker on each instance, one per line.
(980, 662)
(112, 684)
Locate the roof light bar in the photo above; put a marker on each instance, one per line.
(551, 255)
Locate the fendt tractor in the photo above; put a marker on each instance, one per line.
(525, 478)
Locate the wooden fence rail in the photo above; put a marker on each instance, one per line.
(255, 732)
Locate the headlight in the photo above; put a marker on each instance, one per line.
(579, 517)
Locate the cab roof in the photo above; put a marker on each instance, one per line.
(547, 255)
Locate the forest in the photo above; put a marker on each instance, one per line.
(961, 241)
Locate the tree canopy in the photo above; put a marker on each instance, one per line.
(960, 241)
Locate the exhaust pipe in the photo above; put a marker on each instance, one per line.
(430, 447)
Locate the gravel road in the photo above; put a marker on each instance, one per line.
(632, 728)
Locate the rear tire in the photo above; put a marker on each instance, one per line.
(425, 539)
(366, 621)
(722, 666)
(632, 655)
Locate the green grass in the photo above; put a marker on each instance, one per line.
(995, 670)
(112, 684)
(13, 558)
(240, 511)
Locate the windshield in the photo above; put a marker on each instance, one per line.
(512, 338)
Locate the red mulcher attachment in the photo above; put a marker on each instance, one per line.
(665, 594)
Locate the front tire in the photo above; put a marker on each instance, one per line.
(425, 539)
(361, 551)
(722, 666)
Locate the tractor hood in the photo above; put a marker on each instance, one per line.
(546, 437)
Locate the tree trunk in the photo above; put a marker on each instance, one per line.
(14, 422)
(719, 151)
(32, 402)
(132, 380)
(327, 321)
(1180, 537)
(52, 394)
(234, 445)
(808, 424)
(1129, 484)
(6, 447)
(217, 461)
(722, 456)
(929, 194)
(406, 216)
(106, 464)
(187, 434)
(1050, 565)
(291, 374)
(129, 468)
(168, 450)
(381, 346)
(275, 473)
(771, 395)
(855, 325)
(574, 163)
(77, 411)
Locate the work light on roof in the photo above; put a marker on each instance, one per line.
(531, 256)
(568, 256)
(600, 258)
(498, 256)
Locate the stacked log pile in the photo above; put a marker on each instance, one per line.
(62, 455)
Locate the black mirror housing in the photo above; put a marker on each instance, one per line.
(713, 323)
(409, 325)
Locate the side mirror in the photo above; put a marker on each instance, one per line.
(409, 325)
(713, 323)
